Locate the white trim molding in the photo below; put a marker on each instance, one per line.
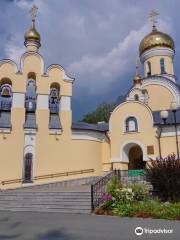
(42, 102)
(165, 83)
(18, 100)
(65, 103)
(88, 135)
(156, 52)
(55, 132)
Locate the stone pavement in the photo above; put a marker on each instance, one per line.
(59, 226)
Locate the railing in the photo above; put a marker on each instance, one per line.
(47, 176)
(98, 189)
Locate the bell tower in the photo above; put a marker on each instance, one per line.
(157, 51)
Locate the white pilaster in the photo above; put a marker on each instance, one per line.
(65, 103)
(18, 100)
(42, 102)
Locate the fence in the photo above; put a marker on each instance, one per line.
(98, 189)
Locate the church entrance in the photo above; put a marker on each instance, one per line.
(136, 158)
(28, 167)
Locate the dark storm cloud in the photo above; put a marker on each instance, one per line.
(96, 41)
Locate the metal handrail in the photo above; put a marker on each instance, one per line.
(46, 176)
(99, 188)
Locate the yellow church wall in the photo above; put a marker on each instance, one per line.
(155, 65)
(144, 137)
(34, 63)
(159, 97)
(168, 145)
(11, 148)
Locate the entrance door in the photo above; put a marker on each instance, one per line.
(28, 167)
(136, 158)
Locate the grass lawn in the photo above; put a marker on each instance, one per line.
(143, 209)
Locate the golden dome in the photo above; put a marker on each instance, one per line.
(156, 39)
(32, 35)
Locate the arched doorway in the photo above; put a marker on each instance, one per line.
(28, 158)
(136, 158)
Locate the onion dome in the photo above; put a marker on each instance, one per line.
(156, 39)
(32, 35)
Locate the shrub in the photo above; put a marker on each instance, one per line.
(112, 185)
(123, 195)
(140, 191)
(164, 175)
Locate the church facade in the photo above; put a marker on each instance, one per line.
(39, 143)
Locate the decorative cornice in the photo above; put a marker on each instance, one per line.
(156, 52)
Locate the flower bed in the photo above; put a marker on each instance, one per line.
(134, 201)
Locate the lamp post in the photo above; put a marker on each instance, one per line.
(164, 116)
(174, 108)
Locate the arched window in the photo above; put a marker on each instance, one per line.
(162, 66)
(28, 158)
(148, 68)
(131, 124)
(5, 97)
(30, 105)
(54, 98)
(30, 101)
(31, 75)
(136, 97)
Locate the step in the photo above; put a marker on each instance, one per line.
(70, 203)
(60, 210)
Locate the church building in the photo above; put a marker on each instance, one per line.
(40, 144)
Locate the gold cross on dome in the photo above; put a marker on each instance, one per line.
(33, 12)
(153, 17)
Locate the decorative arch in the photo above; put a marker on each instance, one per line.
(162, 81)
(125, 148)
(31, 75)
(120, 105)
(27, 54)
(5, 81)
(6, 95)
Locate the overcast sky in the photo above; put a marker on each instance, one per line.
(96, 41)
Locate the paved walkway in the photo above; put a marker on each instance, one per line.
(57, 226)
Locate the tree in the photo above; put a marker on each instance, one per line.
(102, 113)
(164, 175)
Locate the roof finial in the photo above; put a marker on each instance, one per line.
(153, 17)
(137, 62)
(33, 13)
(137, 77)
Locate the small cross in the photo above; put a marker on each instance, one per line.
(33, 12)
(153, 17)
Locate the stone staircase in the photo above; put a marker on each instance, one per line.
(64, 197)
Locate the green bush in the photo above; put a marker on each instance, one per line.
(164, 175)
(150, 208)
(112, 185)
(140, 191)
(123, 195)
